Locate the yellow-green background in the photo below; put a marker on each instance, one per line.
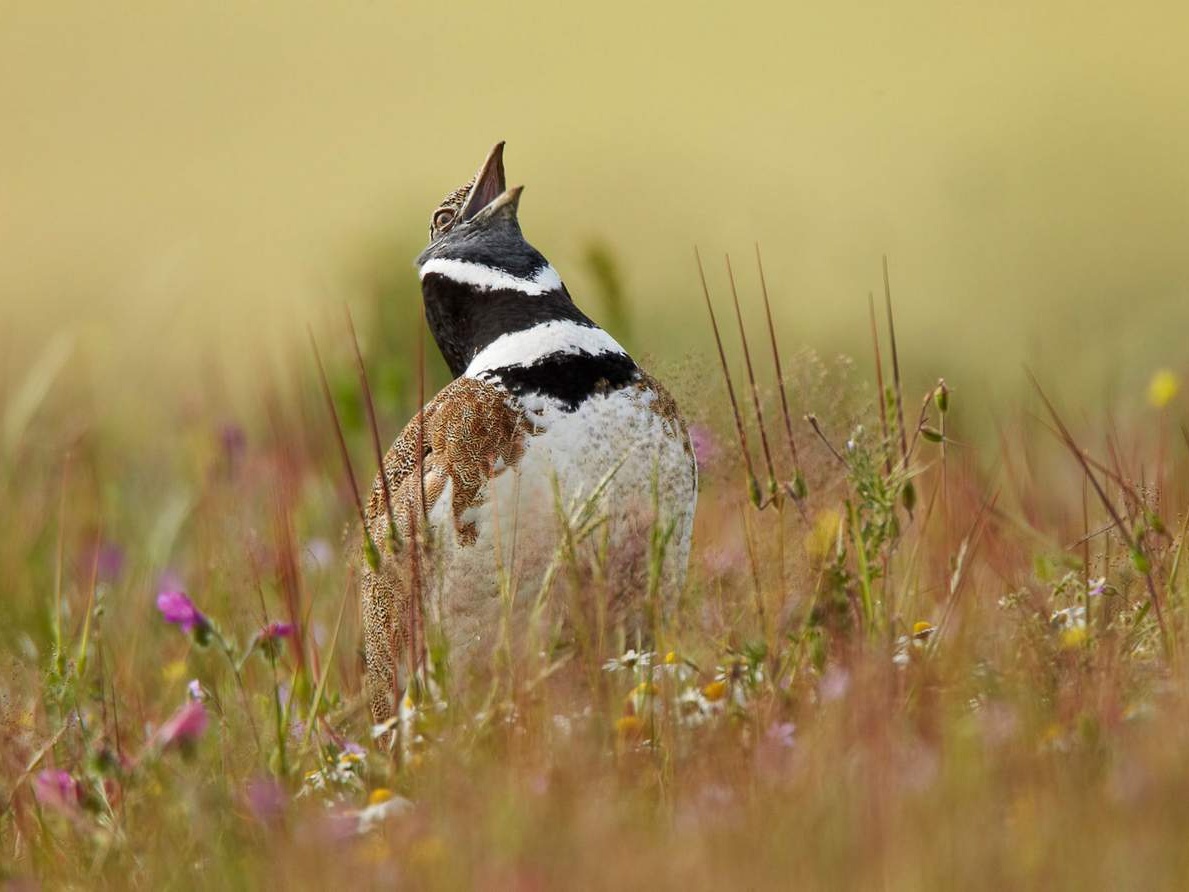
(181, 183)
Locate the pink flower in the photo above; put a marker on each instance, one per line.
(273, 631)
(184, 727)
(266, 799)
(105, 558)
(57, 790)
(269, 638)
(176, 608)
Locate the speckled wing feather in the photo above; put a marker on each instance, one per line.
(473, 431)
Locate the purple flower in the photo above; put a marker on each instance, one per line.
(194, 689)
(781, 734)
(266, 799)
(269, 638)
(57, 790)
(705, 446)
(106, 559)
(834, 684)
(354, 749)
(176, 608)
(274, 631)
(184, 727)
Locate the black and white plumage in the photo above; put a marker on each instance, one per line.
(546, 409)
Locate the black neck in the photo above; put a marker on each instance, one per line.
(464, 319)
(569, 378)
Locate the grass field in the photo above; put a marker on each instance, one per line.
(950, 662)
(956, 659)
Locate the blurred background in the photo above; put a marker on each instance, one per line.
(185, 186)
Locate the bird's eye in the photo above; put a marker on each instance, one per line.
(442, 218)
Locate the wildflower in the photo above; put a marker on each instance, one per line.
(265, 799)
(1069, 618)
(337, 825)
(1163, 388)
(692, 707)
(184, 727)
(834, 684)
(195, 691)
(629, 726)
(905, 646)
(922, 629)
(269, 638)
(106, 559)
(382, 806)
(856, 435)
(705, 446)
(629, 660)
(1073, 637)
(780, 734)
(641, 694)
(675, 667)
(715, 691)
(274, 631)
(1097, 587)
(179, 610)
(57, 790)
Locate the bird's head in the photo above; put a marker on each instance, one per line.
(479, 277)
(483, 202)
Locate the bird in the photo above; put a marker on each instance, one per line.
(550, 450)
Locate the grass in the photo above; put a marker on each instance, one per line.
(904, 659)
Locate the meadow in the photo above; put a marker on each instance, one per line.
(903, 658)
(934, 628)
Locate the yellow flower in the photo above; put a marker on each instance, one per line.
(379, 795)
(1073, 637)
(715, 691)
(638, 698)
(820, 540)
(671, 657)
(174, 671)
(629, 725)
(922, 629)
(1163, 388)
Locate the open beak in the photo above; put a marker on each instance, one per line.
(489, 183)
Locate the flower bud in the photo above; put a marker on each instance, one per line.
(941, 396)
(909, 496)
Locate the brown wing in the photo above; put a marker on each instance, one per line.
(472, 431)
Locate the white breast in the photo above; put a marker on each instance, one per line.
(616, 442)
